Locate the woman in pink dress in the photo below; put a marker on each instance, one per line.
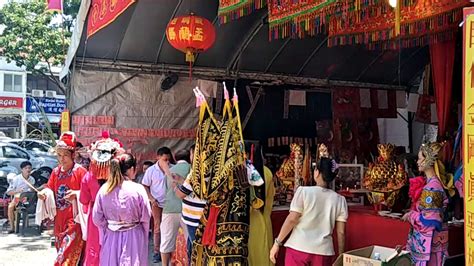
(428, 236)
(122, 213)
(89, 188)
(102, 151)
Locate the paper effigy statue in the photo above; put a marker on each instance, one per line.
(219, 175)
(385, 177)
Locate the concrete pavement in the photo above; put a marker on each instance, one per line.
(16, 250)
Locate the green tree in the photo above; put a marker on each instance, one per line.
(32, 40)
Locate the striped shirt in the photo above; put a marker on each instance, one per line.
(193, 207)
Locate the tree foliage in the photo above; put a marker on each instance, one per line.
(32, 39)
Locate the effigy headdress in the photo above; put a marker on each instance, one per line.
(103, 151)
(67, 141)
(430, 151)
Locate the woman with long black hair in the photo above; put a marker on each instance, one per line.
(314, 212)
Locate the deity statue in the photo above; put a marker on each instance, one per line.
(290, 173)
(385, 176)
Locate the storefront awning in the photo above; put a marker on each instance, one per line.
(36, 118)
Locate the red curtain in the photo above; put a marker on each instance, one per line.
(442, 61)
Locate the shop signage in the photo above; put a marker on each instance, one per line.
(468, 133)
(65, 121)
(49, 105)
(11, 102)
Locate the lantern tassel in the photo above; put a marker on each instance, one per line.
(190, 71)
(190, 59)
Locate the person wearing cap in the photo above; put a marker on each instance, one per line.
(65, 183)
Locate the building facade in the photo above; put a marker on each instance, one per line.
(44, 100)
(27, 101)
(13, 121)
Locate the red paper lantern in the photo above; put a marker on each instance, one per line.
(190, 34)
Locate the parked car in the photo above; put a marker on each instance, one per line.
(15, 155)
(6, 172)
(34, 146)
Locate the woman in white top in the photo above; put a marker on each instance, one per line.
(314, 212)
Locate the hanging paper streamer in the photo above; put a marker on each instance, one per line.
(371, 22)
(300, 18)
(234, 9)
(418, 25)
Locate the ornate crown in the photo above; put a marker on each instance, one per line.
(386, 150)
(431, 151)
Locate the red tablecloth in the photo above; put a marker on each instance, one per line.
(365, 228)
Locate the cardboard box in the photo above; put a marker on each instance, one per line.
(364, 257)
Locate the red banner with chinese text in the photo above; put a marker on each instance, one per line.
(86, 120)
(104, 12)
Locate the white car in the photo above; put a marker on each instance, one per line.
(15, 155)
(34, 146)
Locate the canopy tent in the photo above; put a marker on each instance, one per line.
(136, 41)
(123, 64)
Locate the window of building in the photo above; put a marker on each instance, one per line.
(12, 83)
(41, 83)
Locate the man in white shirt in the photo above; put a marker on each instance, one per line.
(17, 186)
(154, 181)
(145, 166)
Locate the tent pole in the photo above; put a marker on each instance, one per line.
(277, 54)
(246, 41)
(410, 131)
(407, 60)
(221, 74)
(315, 51)
(367, 68)
(164, 34)
(346, 60)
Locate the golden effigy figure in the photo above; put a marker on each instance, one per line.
(290, 172)
(385, 177)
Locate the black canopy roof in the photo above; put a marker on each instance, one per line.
(138, 37)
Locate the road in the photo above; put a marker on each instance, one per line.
(30, 250)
